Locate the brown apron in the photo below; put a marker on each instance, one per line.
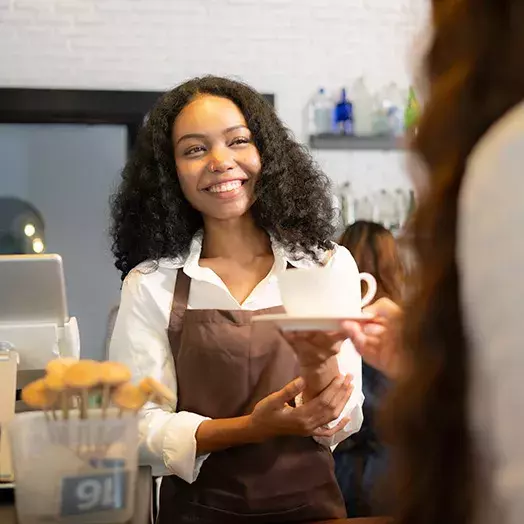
(224, 366)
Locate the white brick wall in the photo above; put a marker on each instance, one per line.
(288, 47)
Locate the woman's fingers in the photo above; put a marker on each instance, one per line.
(336, 406)
(329, 432)
(280, 398)
(328, 405)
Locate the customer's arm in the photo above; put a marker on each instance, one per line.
(379, 341)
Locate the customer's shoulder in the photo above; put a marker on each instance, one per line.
(493, 177)
(502, 141)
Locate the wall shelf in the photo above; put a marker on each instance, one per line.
(356, 143)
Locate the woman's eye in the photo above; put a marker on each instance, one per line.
(194, 150)
(240, 141)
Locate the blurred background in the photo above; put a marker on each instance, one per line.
(63, 173)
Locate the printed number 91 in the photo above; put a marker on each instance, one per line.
(92, 493)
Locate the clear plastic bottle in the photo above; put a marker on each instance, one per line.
(394, 104)
(365, 209)
(321, 113)
(386, 210)
(381, 124)
(363, 109)
(348, 204)
(338, 208)
(402, 198)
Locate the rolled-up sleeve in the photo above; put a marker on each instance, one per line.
(166, 439)
(349, 363)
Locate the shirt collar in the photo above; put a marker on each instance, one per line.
(189, 261)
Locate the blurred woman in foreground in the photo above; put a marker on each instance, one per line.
(457, 425)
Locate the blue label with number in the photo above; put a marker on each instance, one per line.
(95, 492)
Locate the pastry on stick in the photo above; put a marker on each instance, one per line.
(38, 396)
(156, 392)
(59, 365)
(83, 376)
(112, 375)
(128, 397)
(54, 381)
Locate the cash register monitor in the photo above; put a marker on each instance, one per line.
(35, 328)
(34, 319)
(34, 288)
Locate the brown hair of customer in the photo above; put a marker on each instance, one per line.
(474, 75)
(375, 251)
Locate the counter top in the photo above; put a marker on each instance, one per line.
(369, 520)
(142, 511)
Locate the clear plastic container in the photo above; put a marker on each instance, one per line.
(321, 113)
(363, 109)
(74, 471)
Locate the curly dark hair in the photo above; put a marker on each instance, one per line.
(151, 218)
(475, 75)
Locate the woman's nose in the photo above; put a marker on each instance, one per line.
(221, 160)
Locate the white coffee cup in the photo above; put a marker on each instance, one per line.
(325, 292)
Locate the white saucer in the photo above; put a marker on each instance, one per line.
(289, 323)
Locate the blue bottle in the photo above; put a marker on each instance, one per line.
(344, 115)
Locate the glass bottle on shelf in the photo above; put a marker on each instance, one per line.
(349, 204)
(344, 114)
(386, 210)
(402, 204)
(394, 103)
(365, 209)
(412, 112)
(380, 117)
(338, 207)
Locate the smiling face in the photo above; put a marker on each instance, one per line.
(217, 162)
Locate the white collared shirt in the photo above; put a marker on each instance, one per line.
(167, 439)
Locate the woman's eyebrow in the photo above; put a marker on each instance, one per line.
(202, 136)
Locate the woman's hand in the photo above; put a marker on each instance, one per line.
(316, 353)
(314, 348)
(379, 340)
(273, 416)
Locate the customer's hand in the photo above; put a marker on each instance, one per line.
(379, 340)
(313, 348)
(273, 416)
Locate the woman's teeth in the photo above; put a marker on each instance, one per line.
(226, 186)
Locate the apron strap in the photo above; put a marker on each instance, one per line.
(181, 294)
(178, 309)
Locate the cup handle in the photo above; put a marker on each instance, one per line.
(371, 291)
